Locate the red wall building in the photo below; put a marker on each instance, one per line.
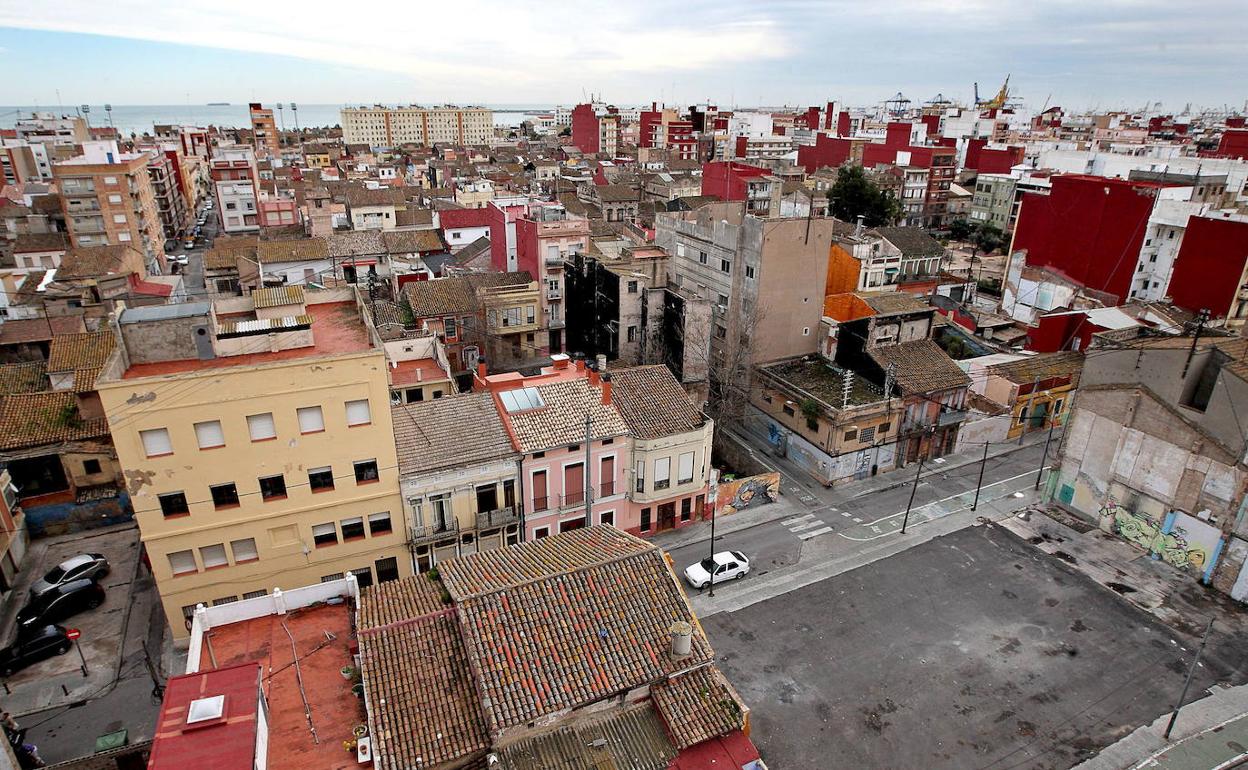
(988, 160)
(1234, 144)
(1209, 269)
(585, 128)
(728, 180)
(1088, 228)
(826, 152)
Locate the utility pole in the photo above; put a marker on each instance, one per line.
(1045, 456)
(905, 521)
(1191, 671)
(1201, 318)
(1031, 402)
(712, 569)
(979, 484)
(589, 484)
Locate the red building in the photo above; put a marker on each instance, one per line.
(594, 130)
(826, 152)
(1211, 269)
(1089, 229)
(939, 160)
(991, 160)
(729, 180)
(1234, 144)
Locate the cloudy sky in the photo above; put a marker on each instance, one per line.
(1083, 53)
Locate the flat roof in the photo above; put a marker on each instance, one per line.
(336, 330)
(227, 741)
(335, 710)
(134, 315)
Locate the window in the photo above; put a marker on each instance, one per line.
(645, 519)
(352, 528)
(387, 569)
(114, 198)
(1022, 415)
(156, 442)
(209, 434)
(448, 329)
(244, 550)
(632, 287)
(357, 413)
(273, 487)
(662, 473)
(182, 562)
(255, 594)
(311, 420)
(789, 410)
(851, 435)
(702, 257)
(725, 265)
(366, 471)
(321, 479)
(261, 427)
(606, 517)
(1057, 407)
(324, 534)
(90, 467)
(541, 532)
(749, 272)
(119, 219)
(331, 578)
(224, 496)
(173, 504)
(867, 435)
(379, 523)
(805, 331)
(686, 509)
(363, 576)
(213, 556)
(884, 427)
(684, 468)
(632, 334)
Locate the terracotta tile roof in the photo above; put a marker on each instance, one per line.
(921, 366)
(1067, 363)
(277, 296)
(571, 638)
(356, 243)
(35, 419)
(412, 241)
(36, 242)
(382, 196)
(652, 402)
(698, 706)
(424, 708)
(440, 297)
(80, 351)
(292, 250)
(895, 303)
(633, 739)
(561, 420)
(226, 250)
(95, 261)
(615, 193)
(27, 330)
(477, 248)
(451, 432)
(398, 600)
(911, 241)
(29, 377)
(84, 379)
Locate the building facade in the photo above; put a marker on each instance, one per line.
(380, 126)
(108, 199)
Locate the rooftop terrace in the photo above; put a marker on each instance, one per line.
(824, 381)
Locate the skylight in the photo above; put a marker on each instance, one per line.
(521, 399)
(204, 709)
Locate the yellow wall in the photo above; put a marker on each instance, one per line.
(282, 529)
(1048, 400)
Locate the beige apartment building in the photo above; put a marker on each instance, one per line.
(380, 126)
(264, 132)
(256, 439)
(108, 200)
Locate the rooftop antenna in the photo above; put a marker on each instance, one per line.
(847, 387)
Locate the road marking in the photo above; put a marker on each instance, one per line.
(815, 533)
(805, 525)
(875, 528)
(857, 520)
(845, 514)
(797, 519)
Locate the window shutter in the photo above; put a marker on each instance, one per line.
(357, 413)
(209, 434)
(662, 469)
(311, 420)
(685, 469)
(156, 442)
(244, 550)
(213, 555)
(182, 561)
(324, 529)
(261, 426)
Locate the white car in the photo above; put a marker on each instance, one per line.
(725, 565)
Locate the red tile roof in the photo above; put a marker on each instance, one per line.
(228, 743)
(698, 706)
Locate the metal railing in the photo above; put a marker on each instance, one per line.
(541, 503)
(425, 532)
(606, 489)
(498, 517)
(572, 499)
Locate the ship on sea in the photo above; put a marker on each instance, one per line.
(218, 104)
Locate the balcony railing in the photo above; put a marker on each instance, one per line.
(952, 417)
(423, 533)
(541, 504)
(554, 260)
(572, 499)
(499, 517)
(554, 294)
(606, 489)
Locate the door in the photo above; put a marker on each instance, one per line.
(574, 484)
(667, 516)
(487, 498)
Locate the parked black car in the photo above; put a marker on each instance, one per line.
(59, 603)
(39, 643)
(84, 565)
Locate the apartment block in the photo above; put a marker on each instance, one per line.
(380, 126)
(257, 443)
(264, 135)
(235, 179)
(108, 199)
(171, 204)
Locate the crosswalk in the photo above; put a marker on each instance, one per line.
(806, 526)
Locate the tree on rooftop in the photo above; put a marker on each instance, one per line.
(961, 230)
(854, 195)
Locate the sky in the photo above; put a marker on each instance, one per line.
(1074, 53)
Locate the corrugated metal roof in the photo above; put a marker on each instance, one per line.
(262, 325)
(277, 296)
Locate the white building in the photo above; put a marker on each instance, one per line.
(380, 126)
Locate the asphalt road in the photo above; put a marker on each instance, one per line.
(974, 650)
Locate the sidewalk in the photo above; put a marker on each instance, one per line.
(1209, 733)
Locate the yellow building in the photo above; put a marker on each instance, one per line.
(1037, 390)
(257, 444)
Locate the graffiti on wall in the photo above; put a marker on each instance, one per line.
(748, 492)
(1180, 540)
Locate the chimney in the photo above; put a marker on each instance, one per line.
(606, 389)
(580, 362)
(682, 639)
(858, 227)
(482, 369)
(593, 376)
(560, 360)
(601, 360)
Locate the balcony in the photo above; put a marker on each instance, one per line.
(556, 259)
(424, 533)
(541, 504)
(952, 417)
(499, 517)
(606, 489)
(554, 293)
(572, 500)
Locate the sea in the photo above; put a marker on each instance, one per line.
(139, 118)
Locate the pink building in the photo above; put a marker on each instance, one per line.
(276, 212)
(545, 416)
(545, 238)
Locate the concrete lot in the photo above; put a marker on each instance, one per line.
(59, 680)
(974, 650)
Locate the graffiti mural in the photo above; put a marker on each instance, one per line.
(748, 492)
(1179, 540)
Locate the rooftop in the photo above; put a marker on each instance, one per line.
(322, 638)
(652, 402)
(449, 432)
(911, 241)
(920, 366)
(1065, 363)
(26, 377)
(227, 741)
(336, 328)
(561, 418)
(36, 419)
(896, 303)
(80, 351)
(823, 380)
(846, 307)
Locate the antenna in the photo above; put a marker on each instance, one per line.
(847, 387)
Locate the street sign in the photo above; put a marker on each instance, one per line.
(72, 633)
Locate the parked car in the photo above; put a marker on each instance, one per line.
(40, 643)
(60, 603)
(84, 565)
(188, 243)
(725, 565)
(171, 244)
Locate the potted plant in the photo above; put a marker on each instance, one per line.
(347, 672)
(359, 731)
(357, 689)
